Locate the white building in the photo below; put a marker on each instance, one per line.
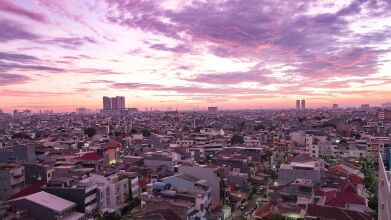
(114, 192)
(384, 192)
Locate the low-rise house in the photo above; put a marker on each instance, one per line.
(190, 184)
(300, 168)
(206, 172)
(83, 193)
(113, 191)
(45, 206)
(38, 172)
(12, 180)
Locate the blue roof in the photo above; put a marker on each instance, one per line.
(160, 185)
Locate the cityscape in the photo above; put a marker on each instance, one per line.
(195, 110)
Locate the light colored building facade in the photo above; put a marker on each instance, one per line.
(207, 173)
(12, 180)
(384, 192)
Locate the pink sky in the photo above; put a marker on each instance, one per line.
(62, 55)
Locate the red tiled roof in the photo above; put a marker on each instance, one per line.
(338, 169)
(356, 179)
(113, 144)
(328, 212)
(91, 156)
(354, 164)
(143, 182)
(34, 188)
(326, 192)
(349, 188)
(264, 210)
(344, 198)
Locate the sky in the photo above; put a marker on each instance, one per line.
(234, 54)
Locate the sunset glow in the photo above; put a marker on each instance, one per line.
(235, 54)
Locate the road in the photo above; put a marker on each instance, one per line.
(252, 203)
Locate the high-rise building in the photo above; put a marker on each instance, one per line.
(212, 110)
(335, 106)
(298, 104)
(384, 114)
(121, 102)
(303, 104)
(106, 103)
(113, 103)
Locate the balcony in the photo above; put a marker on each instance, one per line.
(91, 208)
(89, 198)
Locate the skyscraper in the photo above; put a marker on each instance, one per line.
(303, 104)
(121, 102)
(113, 103)
(298, 104)
(335, 106)
(212, 110)
(106, 103)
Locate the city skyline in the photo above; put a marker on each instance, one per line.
(62, 55)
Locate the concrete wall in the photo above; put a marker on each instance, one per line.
(37, 211)
(17, 153)
(290, 175)
(206, 174)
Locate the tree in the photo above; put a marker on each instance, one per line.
(237, 139)
(91, 131)
(108, 216)
(146, 132)
(21, 136)
(275, 216)
(259, 127)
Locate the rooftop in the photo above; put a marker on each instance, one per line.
(57, 204)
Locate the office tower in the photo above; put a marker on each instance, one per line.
(303, 104)
(121, 102)
(384, 114)
(212, 110)
(335, 106)
(298, 104)
(114, 104)
(106, 103)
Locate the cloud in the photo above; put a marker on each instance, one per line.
(8, 7)
(96, 71)
(70, 42)
(189, 89)
(9, 79)
(258, 76)
(177, 49)
(99, 81)
(271, 32)
(17, 57)
(5, 66)
(10, 30)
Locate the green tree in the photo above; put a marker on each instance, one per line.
(146, 132)
(275, 216)
(108, 216)
(91, 131)
(237, 139)
(259, 127)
